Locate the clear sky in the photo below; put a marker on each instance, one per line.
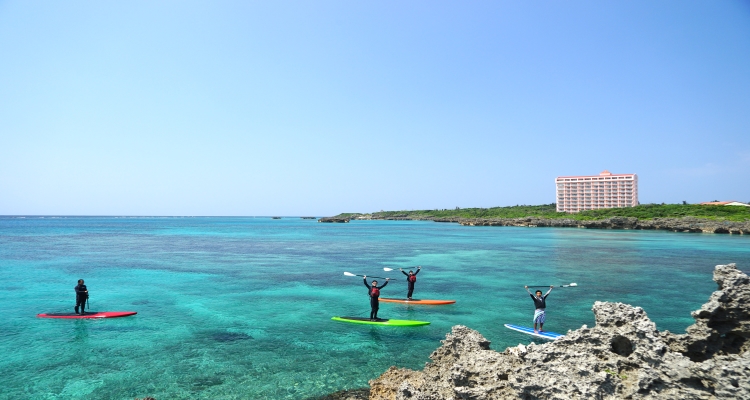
(321, 107)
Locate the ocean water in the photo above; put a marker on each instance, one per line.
(240, 308)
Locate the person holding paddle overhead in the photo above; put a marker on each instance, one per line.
(540, 303)
(374, 293)
(411, 277)
(82, 294)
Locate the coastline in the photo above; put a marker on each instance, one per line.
(684, 224)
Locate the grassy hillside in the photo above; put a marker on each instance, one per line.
(649, 211)
(644, 211)
(546, 210)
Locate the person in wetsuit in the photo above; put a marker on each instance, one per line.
(82, 294)
(540, 303)
(374, 293)
(411, 277)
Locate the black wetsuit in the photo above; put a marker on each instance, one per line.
(539, 303)
(411, 284)
(82, 295)
(374, 303)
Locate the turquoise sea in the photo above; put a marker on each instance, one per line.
(240, 308)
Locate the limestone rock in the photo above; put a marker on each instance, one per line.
(333, 219)
(687, 224)
(623, 357)
(722, 326)
(395, 381)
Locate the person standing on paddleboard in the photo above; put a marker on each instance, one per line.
(540, 302)
(411, 277)
(374, 292)
(82, 294)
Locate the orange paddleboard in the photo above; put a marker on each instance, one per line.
(417, 301)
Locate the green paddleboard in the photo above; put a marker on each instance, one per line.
(387, 322)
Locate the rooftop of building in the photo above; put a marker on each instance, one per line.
(724, 203)
(604, 173)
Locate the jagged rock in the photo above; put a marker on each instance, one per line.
(396, 380)
(623, 357)
(722, 326)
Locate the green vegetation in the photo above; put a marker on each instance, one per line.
(545, 211)
(649, 211)
(347, 215)
(644, 211)
(613, 373)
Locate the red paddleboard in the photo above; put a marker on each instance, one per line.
(89, 314)
(417, 301)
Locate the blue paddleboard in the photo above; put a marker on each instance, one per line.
(530, 331)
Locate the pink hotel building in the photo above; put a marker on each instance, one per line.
(607, 190)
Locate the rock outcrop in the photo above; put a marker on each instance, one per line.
(623, 357)
(685, 224)
(333, 219)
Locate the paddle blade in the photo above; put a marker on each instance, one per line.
(349, 274)
(388, 269)
(573, 284)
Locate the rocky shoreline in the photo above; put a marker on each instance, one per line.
(623, 357)
(333, 219)
(686, 224)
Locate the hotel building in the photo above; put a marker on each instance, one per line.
(606, 190)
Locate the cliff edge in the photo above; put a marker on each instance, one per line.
(623, 357)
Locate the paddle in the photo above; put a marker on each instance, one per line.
(351, 274)
(386, 269)
(570, 285)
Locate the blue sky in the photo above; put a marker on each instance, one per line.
(316, 108)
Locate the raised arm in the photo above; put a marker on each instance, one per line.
(364, 279)
(550, 289)
(418, 269)
(404, 272)
(386, 282)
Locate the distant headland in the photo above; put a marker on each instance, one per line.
(671, 217)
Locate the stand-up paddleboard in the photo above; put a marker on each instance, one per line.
(417, 301)
(387, 322)
(530, 331)
(88, 314)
